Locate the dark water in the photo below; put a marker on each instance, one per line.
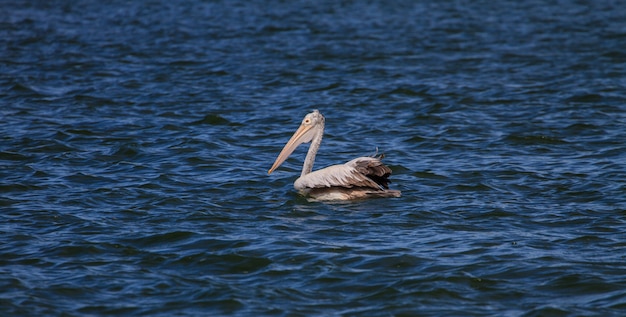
(135, 138)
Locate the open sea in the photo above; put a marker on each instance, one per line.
(136, 136)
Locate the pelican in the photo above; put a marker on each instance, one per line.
(363, 177)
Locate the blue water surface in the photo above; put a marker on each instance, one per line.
(135, 140)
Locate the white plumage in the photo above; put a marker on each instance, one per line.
(363, 177)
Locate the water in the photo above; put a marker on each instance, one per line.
(136, 137)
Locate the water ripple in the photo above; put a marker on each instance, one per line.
(136, 141)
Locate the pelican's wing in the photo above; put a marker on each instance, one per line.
(365, 172)
(373, 169)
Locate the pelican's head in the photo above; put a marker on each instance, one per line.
(312, 125)
(313, 119)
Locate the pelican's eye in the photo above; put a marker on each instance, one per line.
(307, 121)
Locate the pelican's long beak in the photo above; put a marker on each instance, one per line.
(300, 136)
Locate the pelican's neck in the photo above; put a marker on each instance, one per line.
(307, 167)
